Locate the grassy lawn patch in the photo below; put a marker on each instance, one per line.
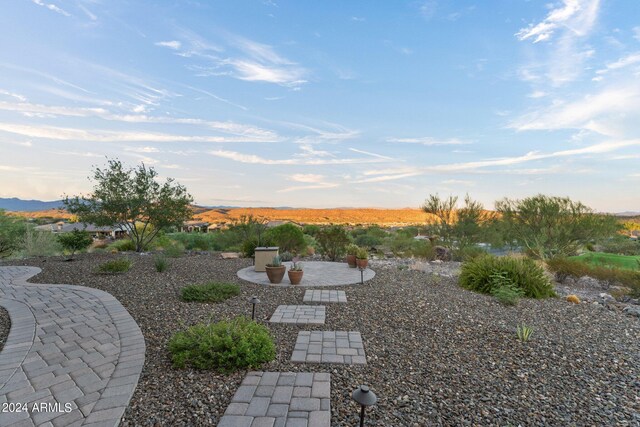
(210, 292)
(601, 259)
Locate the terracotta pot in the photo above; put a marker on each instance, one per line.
(295, 276)
(362, 263)
(275, 274)
(351, 260)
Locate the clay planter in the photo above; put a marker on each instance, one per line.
(295, 276)
(275, 274)
(351, 260)
(362, 263)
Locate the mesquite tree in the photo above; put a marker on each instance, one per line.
(134, 200)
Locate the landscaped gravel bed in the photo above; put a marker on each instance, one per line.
(5, 326)
(437, 354)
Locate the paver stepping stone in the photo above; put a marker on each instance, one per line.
(318, 295)
(329, 347)
(73, 355)
(314, 314)
(280, 399)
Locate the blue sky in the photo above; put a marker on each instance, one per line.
(325, 104)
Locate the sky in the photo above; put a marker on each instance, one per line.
(325, 103)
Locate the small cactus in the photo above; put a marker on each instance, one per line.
(573, 298)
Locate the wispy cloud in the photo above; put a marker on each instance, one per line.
(172, 44)
(429, 141)
(578, 16)
(254, 159)
(313, 181)
(52, 7)
(631, 59)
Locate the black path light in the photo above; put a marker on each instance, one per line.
(364, 397)
(254, 300)
(362, 269)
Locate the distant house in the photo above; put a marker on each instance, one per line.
(195, 227)
(96, 231)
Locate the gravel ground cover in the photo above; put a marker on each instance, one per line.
(436, 354)
(5, 326)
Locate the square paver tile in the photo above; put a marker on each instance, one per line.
(299, 314)
(320, 295)
(343, 347)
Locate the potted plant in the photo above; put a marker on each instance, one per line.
(352, 250)
(275, 270)
(295, 272)
(362, 258)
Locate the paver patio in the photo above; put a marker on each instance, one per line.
(73, 356)
(324, 295)
(344, 347)
(299, 314)
(316, 273)
(280, 399)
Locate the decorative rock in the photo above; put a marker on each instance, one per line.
(589, 282)
(605, 298)
(442, 253)
(632, 310)
(573, 298)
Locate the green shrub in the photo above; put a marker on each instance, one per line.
(621, 245)
(524, 332)
(75, 241)
(249, 247)
(288, 237)
(286, 256)
(423, 249)
(224, 346)
(333, 241)
(468, 253)
(210, 292)
(161, 263)
(479, 275)
(123, 245)
(504, 289)
(119, 265)
(564, 267)
(174, 250)
(39, 243)
(12, 230)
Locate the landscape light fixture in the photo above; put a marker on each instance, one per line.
(362, 269)
(364, 397)
(254, 300)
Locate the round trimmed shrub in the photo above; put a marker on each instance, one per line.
(224, 346)
(479, 275)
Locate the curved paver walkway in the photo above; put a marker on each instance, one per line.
(316, 273)
(73, 356)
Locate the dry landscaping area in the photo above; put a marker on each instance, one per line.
(436, 354)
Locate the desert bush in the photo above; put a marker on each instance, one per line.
(12, 231)
(564, 267)
(333, 241)
(174, 250)
(423, 249)
(288, 237)
(249, 247)
(161, 263)
(210, 292)
(479, 275)
(119, 265)
(224, 346)
(75, 241)
(468, 253)
(286, 256)
(39, 243)
(621, 245)
(123, 245)
(504, 289)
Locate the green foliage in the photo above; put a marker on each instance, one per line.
(286, 256)
(174, 250)
(311, 229)
(621, 245)
(275, 262)
(333, 241)
(369, 236)
(251, 231)
(119, 265)
(351, 249)
(133, 199)
(249, 247)
(12, 231)
(160, 262)
(224, 346)
(564, 267)
(468, 253)
(423, 249)
(504, 289)
(123, 245)
(39, 243)
(524, 332)
(479, 275)
(288, 237)
(553, 226)
(457, 227)
(362, 253)
(210, 292)
(75, 241)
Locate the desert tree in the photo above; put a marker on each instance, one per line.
(135, 200)
(75, 241)
(457, 227)
(547, 226)
(12, 230)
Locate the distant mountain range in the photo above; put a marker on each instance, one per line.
(15, 204)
